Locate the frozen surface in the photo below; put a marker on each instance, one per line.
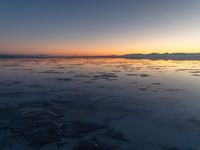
(99, 104)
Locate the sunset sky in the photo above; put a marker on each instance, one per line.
(99, 27)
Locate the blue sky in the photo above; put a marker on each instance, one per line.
(99, 26)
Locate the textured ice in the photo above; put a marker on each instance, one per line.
(99, 104)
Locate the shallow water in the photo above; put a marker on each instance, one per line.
(99, 104)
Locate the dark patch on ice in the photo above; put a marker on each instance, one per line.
(34, 86)
(194, 72)
(107, 87)
(141, 75)
(156, 83)
(10, 83)
(197, 75)
(71, 72)
(191, 70)
(88, 82)
(144, 75)
(52, 72)
(76, 64)
(111, 133)
(116, 71)
(93, 144)
(11, 65)
(173, 90)
(64, 79)
(82, 76)
(27, 69)
(195, 121)
(134, 82)
(164, 147)
(59, 67)
(11, 94)
(85, 127)
(143, 89)
(105, 76)
(132, 74)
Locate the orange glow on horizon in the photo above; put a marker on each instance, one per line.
(103, 49)
(96, 52)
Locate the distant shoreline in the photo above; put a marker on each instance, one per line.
(152, 56)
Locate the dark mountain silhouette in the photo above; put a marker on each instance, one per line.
(153, 56)
(173, 56)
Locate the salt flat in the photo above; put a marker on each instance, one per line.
(99, 104)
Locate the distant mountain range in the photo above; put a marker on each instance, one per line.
(153, 56)
(173, 56)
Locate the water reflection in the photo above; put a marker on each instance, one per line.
(110, 103)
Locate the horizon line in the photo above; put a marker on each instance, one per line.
(53, 55)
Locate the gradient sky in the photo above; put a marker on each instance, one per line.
(99, 27)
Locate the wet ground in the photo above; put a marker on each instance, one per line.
(99, 104)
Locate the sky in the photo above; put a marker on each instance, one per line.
(99, 27)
